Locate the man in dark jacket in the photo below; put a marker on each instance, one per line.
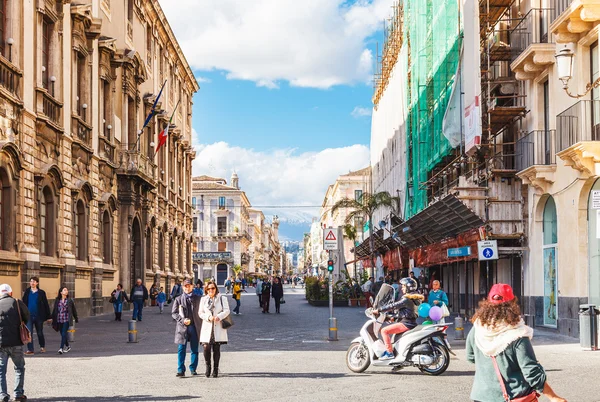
(39, 311)
(185, 312)
(139, 294)
(10, 341)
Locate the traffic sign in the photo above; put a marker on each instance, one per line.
(488, 250)
(459, 252)
(330, 239)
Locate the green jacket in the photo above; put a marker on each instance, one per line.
(518, 365)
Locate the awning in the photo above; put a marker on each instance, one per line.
(380, 245)
(446, 218)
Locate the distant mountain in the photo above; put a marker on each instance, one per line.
(293, 231)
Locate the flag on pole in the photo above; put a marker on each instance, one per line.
(162, 137)
(153, 110)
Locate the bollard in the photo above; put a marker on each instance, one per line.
(71, 333)
(132, 331)
(459, 330)
(333, 329)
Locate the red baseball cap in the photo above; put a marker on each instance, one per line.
(501, 293)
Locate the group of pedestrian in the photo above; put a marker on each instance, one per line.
(265, 290)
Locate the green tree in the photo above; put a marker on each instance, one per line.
(366, 207)
(351, 233)
(237, 268)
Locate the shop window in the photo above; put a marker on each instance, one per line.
(106, 238)
(550, 239)
(6, 217)
(47, 223)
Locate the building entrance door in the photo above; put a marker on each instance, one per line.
(594, 245)
(221, 274)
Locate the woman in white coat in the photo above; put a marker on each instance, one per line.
(213, 309)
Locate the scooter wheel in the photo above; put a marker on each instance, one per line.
(442, 362)
(357, 357)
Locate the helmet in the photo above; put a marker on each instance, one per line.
(411, 284)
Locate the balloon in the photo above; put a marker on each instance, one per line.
(428, 322)
(436, 313)
(424, 310)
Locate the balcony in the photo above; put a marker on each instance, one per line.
(106, 150)
(51, 109)
(10, 79)
(574, 19)
(536, 158)
(532, 36)
(578, 137)
(82, 133)
(232, 235)
(134, 164)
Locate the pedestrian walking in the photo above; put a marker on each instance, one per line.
(228, 285)
(39, 312)
(198, 291)
(213, 309)
(237, 296)
(63, 316)
(12, 313)
(177, 290)
(437, 297)
(153, 294)
(259, 291)
(161, 299)
(277, 293)
(506, 368)
(117, 297)
(266, 296)
(186, 312)
(367, 289)
(244, 283)
(138, 295)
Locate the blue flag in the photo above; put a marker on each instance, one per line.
(153, 110)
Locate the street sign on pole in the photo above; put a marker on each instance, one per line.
(330, 241)
(488, 250)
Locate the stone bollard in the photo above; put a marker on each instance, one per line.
(132, 331)
(71, 333)
(333, 329)
(459, 330)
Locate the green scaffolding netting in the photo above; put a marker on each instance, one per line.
(433, 33)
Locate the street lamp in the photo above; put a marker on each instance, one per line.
(84, 107)
(109, 127)
(53, 80)
(564, 63)
(10, 42)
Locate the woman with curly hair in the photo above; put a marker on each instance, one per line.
(499, 344)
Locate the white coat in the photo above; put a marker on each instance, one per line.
(221, 310)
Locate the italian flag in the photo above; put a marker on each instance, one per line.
(162, 137)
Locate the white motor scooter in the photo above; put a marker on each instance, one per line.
(425, 346)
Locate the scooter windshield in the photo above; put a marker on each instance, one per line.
(385, 297)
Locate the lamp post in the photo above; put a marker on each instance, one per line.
(564, 64)
(109, 127)
(53, 80)
(10, 42)
(84, 107)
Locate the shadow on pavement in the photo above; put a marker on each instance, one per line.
(413, 371)
(288, 375)
(123, 398)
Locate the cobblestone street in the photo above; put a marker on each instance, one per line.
(270, 357)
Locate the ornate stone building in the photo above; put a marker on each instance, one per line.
(85, 201)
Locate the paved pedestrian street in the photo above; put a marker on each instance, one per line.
(270, 357)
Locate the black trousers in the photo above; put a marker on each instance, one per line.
(215, 350)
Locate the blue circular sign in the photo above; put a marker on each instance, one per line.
(488, 253)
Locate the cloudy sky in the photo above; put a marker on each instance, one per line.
(285, 96)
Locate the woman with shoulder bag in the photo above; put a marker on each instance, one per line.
(63, 316)
(117, 297)
(437, 297)
(214, 308)
(499, 344)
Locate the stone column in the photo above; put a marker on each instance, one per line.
(97, 298)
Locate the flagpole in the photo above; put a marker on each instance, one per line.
(150, 115)
(168, 126)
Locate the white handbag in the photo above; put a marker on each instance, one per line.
(445, 311)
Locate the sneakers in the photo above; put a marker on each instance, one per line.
(179, 374)
(60, 351)
(28, 353)
(67, 349)
(20, 398)
(386, 356)
(42, 350)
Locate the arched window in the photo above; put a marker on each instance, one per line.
(549, 248)
(172, 252)
(106, 238)
(149, 250)
(80, 231)
(47, 223)
(7, 226)
(180, 255)
(161, 250)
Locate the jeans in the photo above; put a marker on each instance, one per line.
(39, 328)
(161, 306)
(138, 305)
(63, 327)
(192, 339)
(16, 355)
(118, 307)
(237, 306)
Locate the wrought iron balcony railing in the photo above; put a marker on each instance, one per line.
(580, 122)
(536, 148)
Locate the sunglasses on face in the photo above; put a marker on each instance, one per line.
(211, 288)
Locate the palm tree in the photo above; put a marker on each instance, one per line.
(350, 233)
(366, 207)
(236, 270)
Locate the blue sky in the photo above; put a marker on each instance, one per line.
(285, 98)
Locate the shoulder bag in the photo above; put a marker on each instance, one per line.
(445, 311)
(532, 397)
(227, 321)
(23, 330)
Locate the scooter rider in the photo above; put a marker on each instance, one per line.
(407, 308)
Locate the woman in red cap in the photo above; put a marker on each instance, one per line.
(499, 344)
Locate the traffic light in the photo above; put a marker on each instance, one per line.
(330, 265)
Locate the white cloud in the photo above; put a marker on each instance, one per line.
(359, 111)
(202, 80)
(308, 43)
(281, 177)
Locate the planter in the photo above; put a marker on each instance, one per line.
(325, 303)
(362, 302)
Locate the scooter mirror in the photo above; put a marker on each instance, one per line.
(371, 300)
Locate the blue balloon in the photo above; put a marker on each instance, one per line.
(436, 313)
(424, 310)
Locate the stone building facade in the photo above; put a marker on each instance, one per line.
(85, 202)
